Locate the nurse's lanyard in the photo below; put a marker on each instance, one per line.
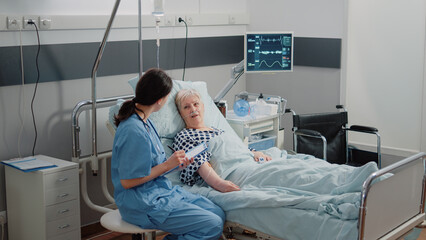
(147, 128)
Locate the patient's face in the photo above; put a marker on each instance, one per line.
(192, 112)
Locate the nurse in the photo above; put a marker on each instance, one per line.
(143, 195)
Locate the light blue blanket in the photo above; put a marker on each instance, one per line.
(296, 181)
(299, 182)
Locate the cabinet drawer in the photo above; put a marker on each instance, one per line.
(61, 179)
(259, 127)
(61, 194)
(67, 236)
(62, 226)
(61, 210)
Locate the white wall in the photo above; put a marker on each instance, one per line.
(307, 18)
(99, 7)
(385, 72)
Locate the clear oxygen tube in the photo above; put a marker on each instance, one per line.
(193, 113)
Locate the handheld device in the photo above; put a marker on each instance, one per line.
(190, 154)
(196, 150)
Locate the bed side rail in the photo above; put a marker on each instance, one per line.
(392, 207)
(93, 159)
(85, 106)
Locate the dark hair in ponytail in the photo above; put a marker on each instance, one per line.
(152, 86)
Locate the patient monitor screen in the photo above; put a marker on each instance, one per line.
(268, 52)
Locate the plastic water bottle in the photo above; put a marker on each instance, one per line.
(260, 106)
(241, 108)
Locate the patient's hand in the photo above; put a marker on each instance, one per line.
(215, 181)
(226, 186)
(258, 155)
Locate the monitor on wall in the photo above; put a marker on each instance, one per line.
(268, 52)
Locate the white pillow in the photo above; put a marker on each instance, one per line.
(113, 110)
(133, 82)
(168, 121)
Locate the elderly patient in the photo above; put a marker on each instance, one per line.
(191, 109)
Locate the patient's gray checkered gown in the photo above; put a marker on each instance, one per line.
(188, 139)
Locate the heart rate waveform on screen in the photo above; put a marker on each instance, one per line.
(269, 52)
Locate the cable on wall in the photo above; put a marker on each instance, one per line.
(186, 41)
(36, 85)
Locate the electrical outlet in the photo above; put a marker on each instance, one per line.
(177, 23)
(3, 217)
(28, 26)
(14, 22)
(231, 20)
(45, 22)
(169, 21)
(189, 20)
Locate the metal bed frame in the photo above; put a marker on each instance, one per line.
(399, 227)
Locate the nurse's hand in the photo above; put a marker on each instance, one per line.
(178, 159)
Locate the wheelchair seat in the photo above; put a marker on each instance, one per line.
(325, 135)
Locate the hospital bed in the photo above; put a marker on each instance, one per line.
(389, 204)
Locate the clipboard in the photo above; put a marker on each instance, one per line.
(200, 148)
(28, 164)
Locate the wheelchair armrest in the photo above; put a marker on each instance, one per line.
(308, 132)
(365, 129)
(289, 110)
(314, 134)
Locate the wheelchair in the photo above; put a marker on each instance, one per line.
(325, 135)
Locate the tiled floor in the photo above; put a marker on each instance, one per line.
(107, 235)
(422, 235)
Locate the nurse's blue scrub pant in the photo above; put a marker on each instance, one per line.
(197, 220)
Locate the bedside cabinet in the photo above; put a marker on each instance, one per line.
(43, 204)
(267, 127)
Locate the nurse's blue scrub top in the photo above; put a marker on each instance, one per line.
(136, 149)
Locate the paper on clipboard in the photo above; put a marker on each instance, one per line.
(196, 150)
(191, 153)
(28, 164)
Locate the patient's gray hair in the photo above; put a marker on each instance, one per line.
(183, 94)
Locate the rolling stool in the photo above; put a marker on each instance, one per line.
(112, 221)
